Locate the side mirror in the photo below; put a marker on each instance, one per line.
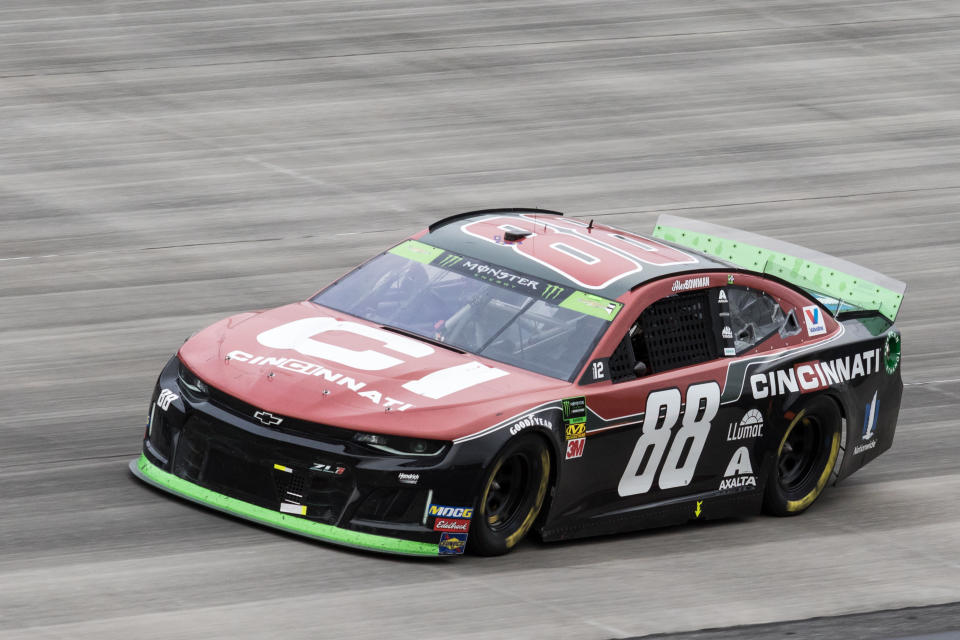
(640, 369)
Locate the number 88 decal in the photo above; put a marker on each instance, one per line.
(660, 416)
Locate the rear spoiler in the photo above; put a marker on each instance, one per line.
(842, 282)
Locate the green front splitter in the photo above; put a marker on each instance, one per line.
(153, 475)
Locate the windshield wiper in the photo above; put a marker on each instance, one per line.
(417, 336)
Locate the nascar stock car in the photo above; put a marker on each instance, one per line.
(514, 370)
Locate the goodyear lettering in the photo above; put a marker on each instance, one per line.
(529, 421)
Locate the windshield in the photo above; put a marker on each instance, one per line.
(476, 307)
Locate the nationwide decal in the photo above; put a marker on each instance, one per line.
(165, 398)
(408, 478)
(452, 543)
(438, 510)
(448, 524)
(816, 322)
(750, 426)
(575, 448)
(328, 468)
(815, 375)
(530, 421)
(319, 371)
(870, 415)
(691, 283)
(739, 473)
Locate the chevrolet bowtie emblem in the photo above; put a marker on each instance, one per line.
(268, 418)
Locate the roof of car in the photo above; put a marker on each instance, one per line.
(597, 258)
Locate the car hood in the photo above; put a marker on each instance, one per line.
(315, 364)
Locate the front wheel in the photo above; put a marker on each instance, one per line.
(514, 489)
(805, 459)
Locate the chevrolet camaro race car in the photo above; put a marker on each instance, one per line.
(513, 370)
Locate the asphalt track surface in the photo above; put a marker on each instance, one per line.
(164, 164)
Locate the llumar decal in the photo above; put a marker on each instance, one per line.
(552, 292)
(592, 257)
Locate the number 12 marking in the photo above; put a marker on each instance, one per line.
(655, 438)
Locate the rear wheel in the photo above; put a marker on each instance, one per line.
(514, 489)
(805, 459)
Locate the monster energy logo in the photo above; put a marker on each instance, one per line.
(552, 291)
(449, 260)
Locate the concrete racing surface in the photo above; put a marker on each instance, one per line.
(166, 163)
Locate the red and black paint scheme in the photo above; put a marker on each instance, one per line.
(508, 371)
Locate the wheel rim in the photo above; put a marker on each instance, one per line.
(506, 492)
(798, 455)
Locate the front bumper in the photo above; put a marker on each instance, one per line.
(305, 478)
(154, 475)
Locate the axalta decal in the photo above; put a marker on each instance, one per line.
(815, 375)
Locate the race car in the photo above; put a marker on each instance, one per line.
(511, 371)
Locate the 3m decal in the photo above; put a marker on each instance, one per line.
(438, 510)
(661, 414)
(575, 448)
(598, 257)
(739, 471)
(870, 415)
(815, 375)
(815, 320)
(452, 543)
(165, 398)
(750, 426)
(448, 524)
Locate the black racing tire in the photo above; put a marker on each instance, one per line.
(513, 492)
(805, 458)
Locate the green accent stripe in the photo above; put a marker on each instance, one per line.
(857, 291)
(148, 472)
(418, 251)
(591, 305)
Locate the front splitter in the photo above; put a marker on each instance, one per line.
(157, 477)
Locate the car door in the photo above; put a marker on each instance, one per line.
(657, 430)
